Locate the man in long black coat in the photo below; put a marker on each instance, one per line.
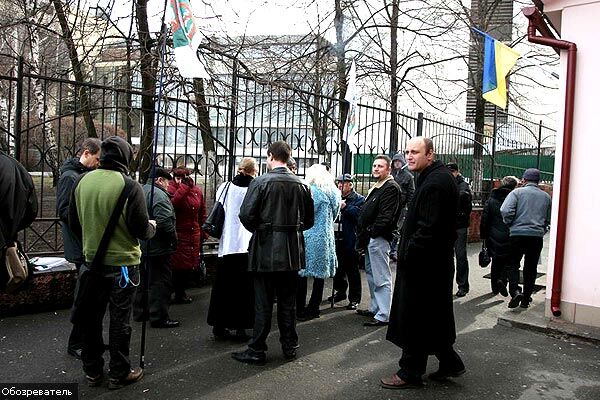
(277, 208)
(422, 318)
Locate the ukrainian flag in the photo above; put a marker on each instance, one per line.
(498, 59)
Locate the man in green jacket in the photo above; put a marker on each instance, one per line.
(156, 254)
(93, 200)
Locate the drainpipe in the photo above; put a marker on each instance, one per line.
(536, 21)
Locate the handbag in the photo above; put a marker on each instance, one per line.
(17, 268)
(216, 219)
(484, 257)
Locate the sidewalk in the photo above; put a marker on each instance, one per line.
(534, 318)
(339, 358)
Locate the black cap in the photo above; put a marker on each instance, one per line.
(532, 174)
(345, 178)
(452, 166)
(160, 172)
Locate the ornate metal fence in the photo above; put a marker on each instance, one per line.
(41, 125)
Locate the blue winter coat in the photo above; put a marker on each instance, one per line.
(319, 242)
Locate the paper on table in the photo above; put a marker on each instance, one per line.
(49, 262)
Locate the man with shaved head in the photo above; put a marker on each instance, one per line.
(422, 318)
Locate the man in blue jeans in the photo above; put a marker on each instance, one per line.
(375, 231)
(526, 211)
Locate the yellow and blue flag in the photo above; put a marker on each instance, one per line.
(498, 59)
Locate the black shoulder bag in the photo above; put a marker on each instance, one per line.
(216, 219)
(484, 257)
(87, 297)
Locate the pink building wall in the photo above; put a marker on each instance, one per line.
(578, 22)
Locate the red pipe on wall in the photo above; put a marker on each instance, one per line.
(536, 21)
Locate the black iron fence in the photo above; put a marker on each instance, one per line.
(41, 124)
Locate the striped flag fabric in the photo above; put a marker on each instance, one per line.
(186, 40)
(498, 60)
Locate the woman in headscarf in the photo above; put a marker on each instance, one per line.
(319, 241)
(232, 297)
(190, 213)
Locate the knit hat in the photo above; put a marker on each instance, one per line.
(532, 175)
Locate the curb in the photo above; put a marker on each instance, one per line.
(557, 328)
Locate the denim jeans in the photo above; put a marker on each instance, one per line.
(379, 277)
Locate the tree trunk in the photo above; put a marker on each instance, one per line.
(315, 113)
(67, 36)
(208, 143)
(394, 78)
(51, 156)
(148, 63)
(340, 53)
(4, 116)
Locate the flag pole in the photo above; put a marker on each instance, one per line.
(146, 266)
(345, 150)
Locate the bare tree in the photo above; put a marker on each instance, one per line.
(67, 36)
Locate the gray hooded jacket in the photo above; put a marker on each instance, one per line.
(405, 179)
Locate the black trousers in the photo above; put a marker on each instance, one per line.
(266, 286)
(180, 281)
(76, 336)
(462, 262)
(531, 248)
(414, 363)
(499, 271)
(108, 290)
(156, 271)
(316, 296)
(348, 268)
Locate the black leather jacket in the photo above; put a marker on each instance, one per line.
(465, 199)
(277, 208)
(379, 215)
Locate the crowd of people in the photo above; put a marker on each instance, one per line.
(135, 247)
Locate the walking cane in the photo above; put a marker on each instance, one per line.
(152, 173)
(145, 309)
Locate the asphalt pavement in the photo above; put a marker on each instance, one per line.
(338, 357)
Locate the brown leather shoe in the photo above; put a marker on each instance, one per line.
(134, 375)
(395, 382)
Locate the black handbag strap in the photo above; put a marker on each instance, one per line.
(112, 223)
(224, 196)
